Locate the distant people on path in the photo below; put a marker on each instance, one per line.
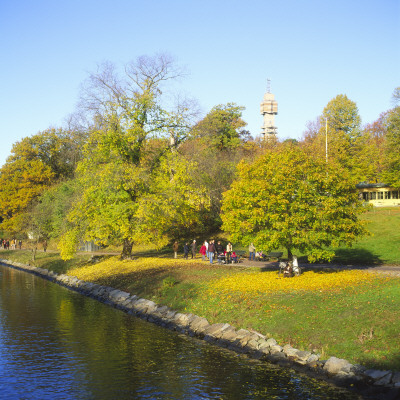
(211, 251)
(20, 244)
(228, 252)
(175, 248)
(206, 244)
(219, 248)
(252, 251)
(45, 246)
(203, 251)
(194, 249)
(186, 250)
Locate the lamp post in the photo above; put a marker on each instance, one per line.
(326, 139)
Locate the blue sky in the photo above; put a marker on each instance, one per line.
(311, 51)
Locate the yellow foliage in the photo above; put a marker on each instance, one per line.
(269, 282)
(114, 265)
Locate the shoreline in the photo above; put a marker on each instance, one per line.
(366, 382)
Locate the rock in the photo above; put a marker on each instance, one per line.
(276, 349)
(161, 311)
(241, 333)
(396, 378)
(271, 342)
(376, 375)
(217, 330)
(301, 357)
(290, 351)
(144, 305)
(118, 295)
(335, 365)
(312, 359)
(198, 324)
(229, 335)
(384, 380)
(263, 345)
(252, 344)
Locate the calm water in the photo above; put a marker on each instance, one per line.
(57, 344)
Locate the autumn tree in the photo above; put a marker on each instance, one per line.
(392, 145)
(288, 198)
(374, 149)
(135, 133)
(35, 163)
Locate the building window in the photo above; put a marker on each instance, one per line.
(387, 195)
(395, 195)
(380, 195)
(373, 195)
(365, 196)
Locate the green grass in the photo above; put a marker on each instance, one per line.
(382, 246)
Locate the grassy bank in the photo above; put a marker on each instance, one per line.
(348, 314)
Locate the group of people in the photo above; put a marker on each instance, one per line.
(6, 244)
(210, 250)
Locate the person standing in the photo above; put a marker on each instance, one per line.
(206, 244)
(219, 248)
(228, 252)
(194, 247)
(211, 251)
(252, 251)
(186, 250)
(203, 251)
(175, 248)
(45, 246)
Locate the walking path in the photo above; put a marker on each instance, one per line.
(393, 270)
(274, 266)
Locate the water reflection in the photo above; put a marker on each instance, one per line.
(57, 344)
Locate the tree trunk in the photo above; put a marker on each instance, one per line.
(289, 254)
(34, 254)
(127, 249)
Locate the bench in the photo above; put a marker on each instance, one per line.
(273, 254)
(240, 254)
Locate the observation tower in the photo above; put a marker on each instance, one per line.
(269, 108)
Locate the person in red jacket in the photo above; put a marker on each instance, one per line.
(203, 252)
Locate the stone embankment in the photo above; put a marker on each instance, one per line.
(250, 343)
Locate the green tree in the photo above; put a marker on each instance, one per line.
(288, 198)
(222, 127)
(49, 215)
(124, 154)
(216, 144)
(337, 136)
(392, 147)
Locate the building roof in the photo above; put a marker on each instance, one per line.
(365, 185)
